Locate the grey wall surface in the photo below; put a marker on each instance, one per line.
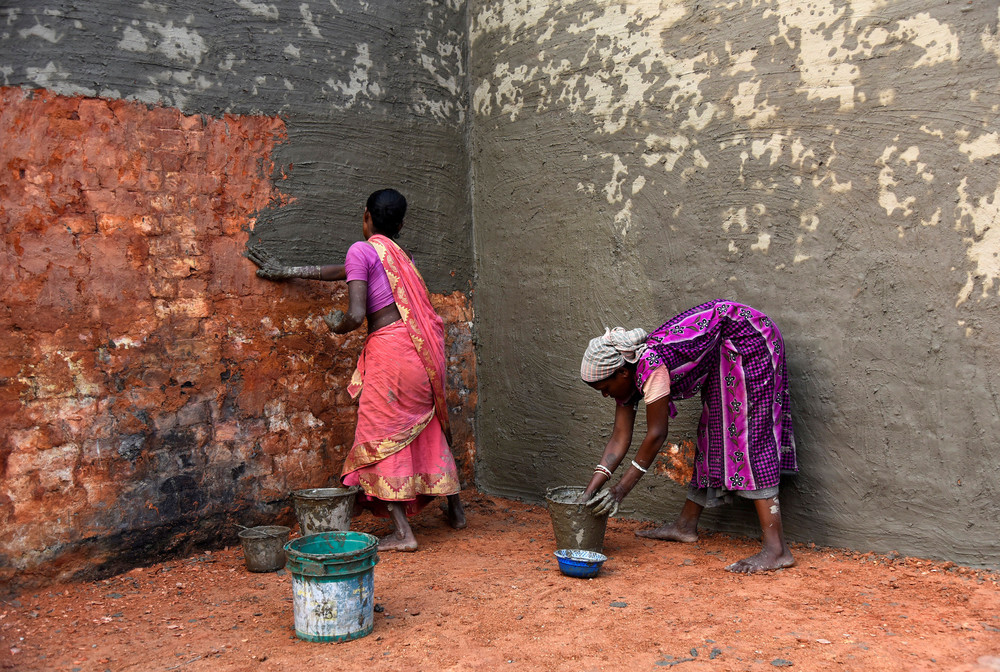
(373, 95)
(832, 163)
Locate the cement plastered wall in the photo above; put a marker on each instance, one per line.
(833, 163)
(153, 392)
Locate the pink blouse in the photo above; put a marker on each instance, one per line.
(362, 263)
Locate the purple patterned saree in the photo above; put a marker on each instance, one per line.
(734, 355)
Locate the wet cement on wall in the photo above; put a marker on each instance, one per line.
(833, 164)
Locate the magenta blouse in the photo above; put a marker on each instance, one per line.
(362, 263)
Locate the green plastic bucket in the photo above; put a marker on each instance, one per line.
(332, 585)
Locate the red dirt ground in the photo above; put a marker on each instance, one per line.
(490, 597)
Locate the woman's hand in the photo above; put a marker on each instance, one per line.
(270, 268)
(267, 266)
(334, 320)
(606, 501)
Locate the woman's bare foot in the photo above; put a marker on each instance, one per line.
(401, 538)
(455, 512)
(671, 532)
(397, 542)
(765, 561)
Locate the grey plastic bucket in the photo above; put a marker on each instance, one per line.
(264, 547)
(324, 509)
(576, 526)
(333, 585)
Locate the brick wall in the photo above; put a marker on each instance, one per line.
(153, 391)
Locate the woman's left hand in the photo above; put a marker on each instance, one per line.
(333, 320)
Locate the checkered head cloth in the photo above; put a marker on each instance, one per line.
(606, 353)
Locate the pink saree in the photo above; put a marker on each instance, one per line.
(400, 451)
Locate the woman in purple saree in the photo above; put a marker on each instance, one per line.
(735, 357)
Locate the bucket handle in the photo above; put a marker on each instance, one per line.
(266, 534)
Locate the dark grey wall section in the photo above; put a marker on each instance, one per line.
(831, 163)
(373, 95)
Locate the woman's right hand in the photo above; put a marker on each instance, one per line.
(268, 267)
(606, 501)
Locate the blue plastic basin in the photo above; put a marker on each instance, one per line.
(579, 563)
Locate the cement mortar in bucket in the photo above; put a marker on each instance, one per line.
(324, 509)
(576, 526)
(333, 585)
(264, 547)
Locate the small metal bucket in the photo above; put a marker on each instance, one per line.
(575, 525)
(324, 509)
(264, 547)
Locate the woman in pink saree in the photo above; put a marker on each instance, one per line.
(401, 456)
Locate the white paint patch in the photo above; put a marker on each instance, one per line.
(934, 220)
(509, 92)
(983, 147)
(809, 221)
(42, 32)
(259, 8)
(307, 19)
(763, 243)
(741, 62)
(179, 43)
(745, 105)
(991, 41)
(800, 153)
(638, 184)
(359, 83)
(443, 61)
(623, 218)
(939, 42)
(52, 78)
(699, 120)
(126, 342)
(773, 146)
(737, 217)
(13, 14)
(133, 40)
(481, 99)
(619, 39)
(664, 150)
(833, 37)
(147, 96)
(619, 173)
(984, 243)
(292, 50)
(886, 181)
(822, 29)
(511, 17)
